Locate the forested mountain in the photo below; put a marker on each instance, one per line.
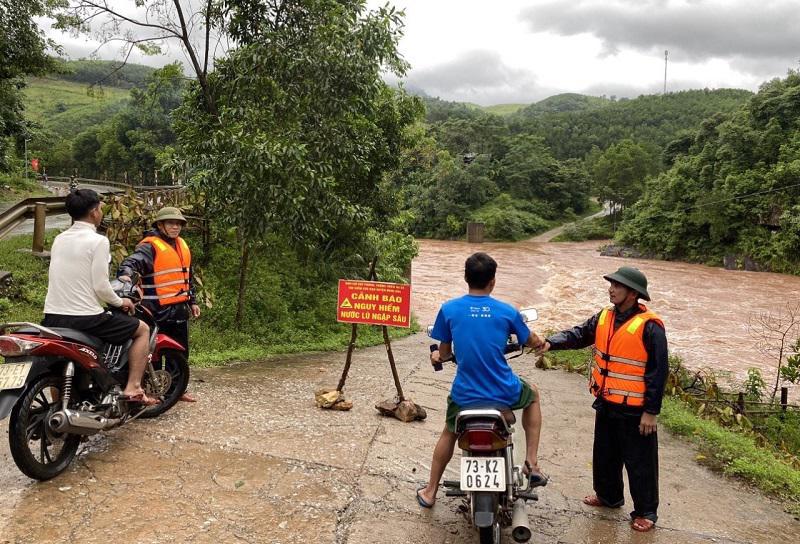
(733, 190)
(572, 125)
(103, 72)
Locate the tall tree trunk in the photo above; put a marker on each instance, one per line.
(242, 281)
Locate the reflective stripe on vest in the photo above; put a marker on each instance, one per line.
(620, 358)
(169, 282)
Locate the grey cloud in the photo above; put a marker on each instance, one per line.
(695, 31)
(480, 77)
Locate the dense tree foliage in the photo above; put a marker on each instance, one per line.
(304, 125)
(571, 127)
(733, 188)
(23, 52)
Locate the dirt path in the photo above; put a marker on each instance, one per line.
(552, 233)
(255, 461)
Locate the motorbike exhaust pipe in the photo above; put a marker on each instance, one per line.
(80, 422)
(520, 525)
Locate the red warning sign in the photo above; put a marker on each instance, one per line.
(374, 303)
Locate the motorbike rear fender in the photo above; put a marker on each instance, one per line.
(9, 397)
(484, 508)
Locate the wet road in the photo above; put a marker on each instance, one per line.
(255, 461)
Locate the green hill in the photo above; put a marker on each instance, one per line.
(62, 109)
(565, 102)
(573, 124)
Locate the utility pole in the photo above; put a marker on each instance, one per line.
(666, 54)
(26, 158)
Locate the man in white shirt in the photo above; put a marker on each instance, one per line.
(78, 285)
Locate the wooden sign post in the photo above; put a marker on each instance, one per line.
(373, 303)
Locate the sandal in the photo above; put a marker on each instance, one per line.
(642, 524)
(422, 502)
(535, 476)
(140, 398)
(593, 500)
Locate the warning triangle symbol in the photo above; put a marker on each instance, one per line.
(346, 304)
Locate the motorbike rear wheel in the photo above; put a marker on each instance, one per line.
(490, 535)
(30, 434)
(177, 365)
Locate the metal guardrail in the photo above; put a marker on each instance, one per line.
(26, 209)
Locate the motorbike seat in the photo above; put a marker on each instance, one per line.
(508, 414)
(80, 337)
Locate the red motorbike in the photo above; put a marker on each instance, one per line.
(61, 385)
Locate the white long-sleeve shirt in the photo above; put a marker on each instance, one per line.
(78, 277)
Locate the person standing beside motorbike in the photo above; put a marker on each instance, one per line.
(628, 377)
(78, 284)
(164, 262)
(479, 326)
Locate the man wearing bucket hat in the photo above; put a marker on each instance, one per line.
(164, 262)
(628, 375)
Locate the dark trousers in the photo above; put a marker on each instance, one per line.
(618, 443)
(178, 331)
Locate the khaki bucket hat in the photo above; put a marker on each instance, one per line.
(167, 213)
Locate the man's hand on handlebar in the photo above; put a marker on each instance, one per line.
(128, 306)
(539, 344)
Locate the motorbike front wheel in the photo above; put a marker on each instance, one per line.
(38, 451)
(176, 365)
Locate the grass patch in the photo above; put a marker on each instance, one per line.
(735, 451)
(14, 187)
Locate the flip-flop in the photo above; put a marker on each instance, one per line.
(535, 477)
(642, 524)
(593, 500)
(422, 502)
(140, 398)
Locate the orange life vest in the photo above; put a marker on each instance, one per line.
(620, 358)
(169, 282)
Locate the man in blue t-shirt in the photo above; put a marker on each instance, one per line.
(479, 326)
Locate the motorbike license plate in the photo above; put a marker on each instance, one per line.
(483, 474)
(13, 375)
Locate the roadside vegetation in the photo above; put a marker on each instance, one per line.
(762, 446)
(291, 307)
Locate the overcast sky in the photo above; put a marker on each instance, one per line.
(525, 50)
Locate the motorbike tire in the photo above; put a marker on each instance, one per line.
(490, 535)
(24, 429)
(176, 363)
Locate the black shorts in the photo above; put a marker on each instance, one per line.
(110, 327)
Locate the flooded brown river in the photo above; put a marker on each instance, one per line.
(706, 310)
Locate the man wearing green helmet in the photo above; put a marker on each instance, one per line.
(164, 262)
(628, 376)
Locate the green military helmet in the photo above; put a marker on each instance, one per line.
(630, 277)
(167, 213)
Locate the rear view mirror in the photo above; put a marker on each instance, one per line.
(529, 314)
(429, 329)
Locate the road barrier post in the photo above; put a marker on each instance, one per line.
(475, 233)
(39, 214)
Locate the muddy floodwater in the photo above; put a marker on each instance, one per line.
(706, 310)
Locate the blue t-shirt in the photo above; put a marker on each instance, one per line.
(478, 327)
